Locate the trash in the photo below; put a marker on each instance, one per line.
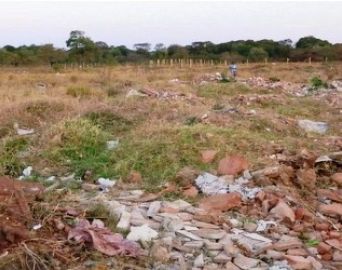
(263, 225)
(211, 184)
(27, 171)
(142, 233)
(124, 221)
(106, 183)
(246, 192)
(221, 202)
(102, 239)
(112, 144)
(23, 132)
(37, 227)
(134, 92)
(51, 178)
(311, 126)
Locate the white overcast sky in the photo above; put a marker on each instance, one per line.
(177, 22)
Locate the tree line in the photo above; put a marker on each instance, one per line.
(81, 49)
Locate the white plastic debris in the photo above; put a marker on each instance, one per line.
(124, 222)
(113, 144)
(51, 178)
(106, 183)
(27, 171)
(142, 233)
(246, 192)
(211, 184)
(262, 225)
(37, 227)
(134, 92)
(311, 126)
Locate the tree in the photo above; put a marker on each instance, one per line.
(311, 42)
(82, 48)
(177, 51)
(257, 54)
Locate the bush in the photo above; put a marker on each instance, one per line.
(78, 91)
(274, 79)
(317, 82)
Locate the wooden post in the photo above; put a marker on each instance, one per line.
(266, 60)
(190, 63)
(158, 62)
(151, 63)
(225, 62)
(181, 63)
(247, 62)
(326, 59)
(163, 62)
(171, 62)
(287, 60)
(212, 62)
(310, 60)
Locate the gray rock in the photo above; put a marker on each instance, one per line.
(154, 208)
(199, 261)
(312, 126)
(222, 258)
(244, 262)
(189, 235)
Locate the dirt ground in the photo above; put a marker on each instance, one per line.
(154, 130)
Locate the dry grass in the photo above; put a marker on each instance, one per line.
(74, 112)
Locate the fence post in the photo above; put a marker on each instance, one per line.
(326, 59)
(190, 63)
(287, 60)
(266, 60)
(247, 62)
(310, 60)
(171, 62)
(151, 63)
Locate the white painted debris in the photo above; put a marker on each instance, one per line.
(113, 144)
(211, 184)
(153, 208)
(27, 171)
(262, 225)
(51, 178)
(105, 183)
(37, 227)
(142, 233)
(124, 221)
(135, 93)
(311, 126)
(246, 192)
(323, 159)
(252, 242)
(199, 261)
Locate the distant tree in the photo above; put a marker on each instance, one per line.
(142, 47)
(82, 48)
(177, 51)
(257, 54)
(311, 42)
(160, 50)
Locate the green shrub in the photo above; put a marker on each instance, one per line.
(317, 82)
(78, 91)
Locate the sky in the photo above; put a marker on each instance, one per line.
(176, 22)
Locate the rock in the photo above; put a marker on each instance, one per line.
(250, 226)
(213, 245)
(208, 155)
(211, 266)
(331, 209)
(231, 266)
(89, 187)
(231, 249)
(180, 205)
(298, 262)
(194, 244)
(124, 221)
(172, 225)
(135, 178)
(27, 171)
(323, 248)
(232, 165)
(186, 176)
(287, 242)
(135, 93)
(153, 208)
(160, 253)
(210, 233)
(142, 233)
(311, 126)
(297, 252)
(106, 183)
(307, 178)
(337, 255)
(244, 262)
(204, 225)
(283, 211)
(199, 261)
(253, 243)
(24, 132)
(315, 264)
(222, 258)
(335, 243)
(191, 192)
(337, 179)
(189, 235)
(111, 145)
(221, 202)
(275, 255)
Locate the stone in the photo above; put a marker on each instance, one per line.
(323, 248)
(142, 233)
(208, 156)
(287, 242)
(153, 208)
(189, 235)
(337, 179)
(180, 205)
(199, 261)
(315, 264)
(194, 244)
(297, 252)
(232, 165)
(210, 233)
(298, 262)
(231, 266)
(186, 176)
(213, 245)
(273, 254)
(312, 126)
(250, 226)
(334, 209)
(337, 255)
(222, 258)
(172, 225)
(221, 202)
(244, 262)
(204, 225)
(191, 192)
(124, 221)
(160, 253)
(135, 178)
(283, 211)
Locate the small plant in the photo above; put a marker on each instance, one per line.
(218, 107)
(78, 91)
(99, 211)
(312, 242)
(192, 120)
(317, 83)
(274, 79)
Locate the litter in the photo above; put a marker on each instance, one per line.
(142, 233)
(263, 225)
(111, 145)
(106, 183)
(27, 171)
(311, 126)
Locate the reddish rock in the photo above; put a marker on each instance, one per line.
(335, 234)
(135, 177)
(283, 211)
(169, 210)
(326, 257)
(323, 248)
(232, 165)
(334, 209)
(191, 192)
(335, 243)
(334, 195)
(337, 179)
(322, 226)
(303, 214)
(297, 252)
(298, 262)
(208, 156)
(221, 202)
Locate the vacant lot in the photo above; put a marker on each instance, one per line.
(159, 120)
